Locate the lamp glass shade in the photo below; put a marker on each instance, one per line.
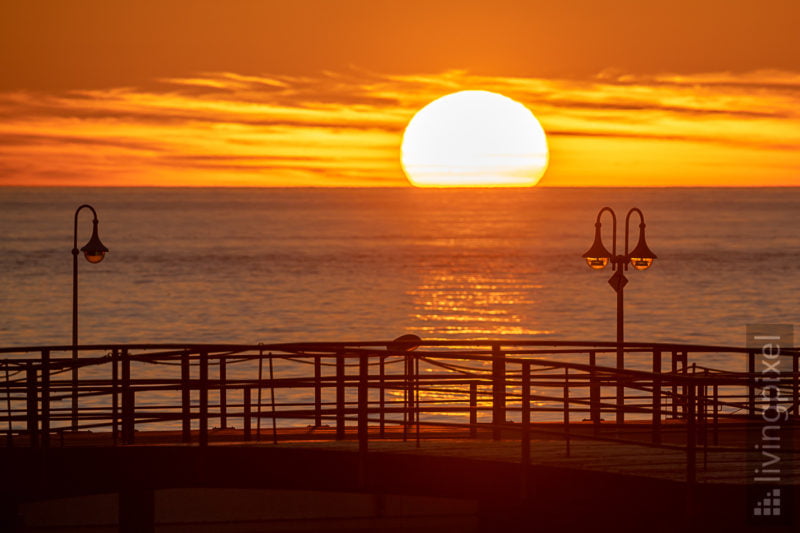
(641, 263)
(94, 251)
(597, 257)
(94, 257)
(641, 256)
(597, 263)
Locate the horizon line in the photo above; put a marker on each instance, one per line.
(40, 186)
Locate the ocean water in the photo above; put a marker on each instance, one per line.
(282, 265)
(272, 265)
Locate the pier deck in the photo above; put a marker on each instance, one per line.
(512, 428)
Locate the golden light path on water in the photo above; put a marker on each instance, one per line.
(480, 305)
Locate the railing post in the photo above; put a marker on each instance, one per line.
(186, 398)
(700, 412)
(417, 401)
(340, 404)
(45, 398)
(525, 460)
(10, 424)
(691, 435)
(382, 395)
(716, 415)
(620, 399)
(115, 396)
(317, 390)
(498, 391)
(223, 394)
(795, 386)
(203, 385)
(363, 415)
(273, 412)
(246, 401)
(691, 447)
(32, 410)
(566, 410)
(594, 393)
(674, 371)
(260, 388)
(703, 419)
(74, 399)
(409, 393)
(656, 420)
(128, 416)
(473, 408)
(128, 400)
(684, 360)
(751, 383)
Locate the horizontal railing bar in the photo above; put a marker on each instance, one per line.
(339, 346)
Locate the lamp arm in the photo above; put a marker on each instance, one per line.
(75, 233)
(613, 233)
(627, 221)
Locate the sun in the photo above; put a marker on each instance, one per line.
(474, 139)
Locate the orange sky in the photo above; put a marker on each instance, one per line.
(318, 93)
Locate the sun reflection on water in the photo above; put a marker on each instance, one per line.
(447, 303)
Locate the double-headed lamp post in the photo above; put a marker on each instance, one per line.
(94, 251)
(640, 258)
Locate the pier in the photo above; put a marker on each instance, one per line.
(482, 435)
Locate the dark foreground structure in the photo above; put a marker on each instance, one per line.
(396, 436)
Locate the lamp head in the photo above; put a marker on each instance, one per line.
(597, 257)
(641, 256)
(94, 251)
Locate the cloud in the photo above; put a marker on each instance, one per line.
(345, 128)
(28, 139)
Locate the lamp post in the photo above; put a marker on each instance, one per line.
(640, 258)
(94, 251)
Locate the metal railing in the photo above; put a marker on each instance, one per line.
(498, 389)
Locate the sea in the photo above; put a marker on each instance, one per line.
(202, 265)
(268, 265)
